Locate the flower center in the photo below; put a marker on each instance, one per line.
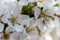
(13, 20)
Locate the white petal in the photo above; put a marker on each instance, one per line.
(48, 37)
(9, 29)
(14, 36)
(49, 2)
(36, 12)
(58, 31)
(39, 4)
(23, 2)
(18, 28)
(57, 22)
(40, 24)
(15, 7)
(1, 27)
(31, 22)
(23, 19)
(34, 37)
(50, 24)
(49, 10)
(23, 36)
(18, 36)
(58, 11)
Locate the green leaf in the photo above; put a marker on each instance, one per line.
(56, 5)
(27, 10)
(35, 4)
(18, 0)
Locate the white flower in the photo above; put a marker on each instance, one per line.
(11, 18)
(10, 13)
(16, 18)
(51, 10)
(45, 25)
(9, 9)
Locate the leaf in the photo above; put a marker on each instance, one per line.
(18, 0)
(28, 10)
(35, 4)
(56, 5)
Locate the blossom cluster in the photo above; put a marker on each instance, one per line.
(29, 19)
